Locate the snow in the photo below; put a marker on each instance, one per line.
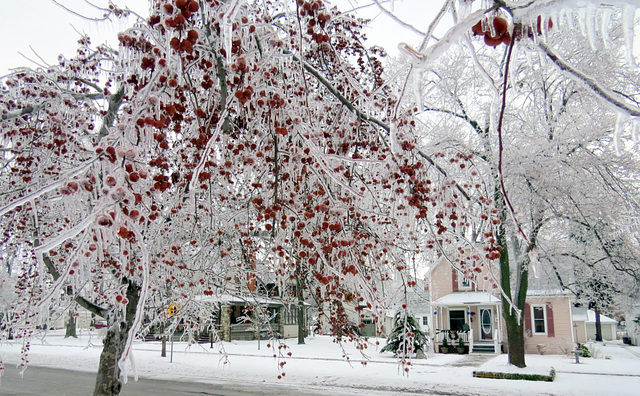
(319, 364)
(467, 298)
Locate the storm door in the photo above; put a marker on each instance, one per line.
(486, 323)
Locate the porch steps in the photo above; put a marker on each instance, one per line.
(481, 347)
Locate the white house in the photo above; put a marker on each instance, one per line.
(584, 323)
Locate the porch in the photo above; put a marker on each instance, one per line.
(467, 322)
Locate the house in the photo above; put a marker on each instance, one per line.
(237, 317)
(360, 320)
(584, 321)
(468, 311)
(633, 324)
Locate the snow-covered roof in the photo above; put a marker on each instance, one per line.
(539, 292)
(467, 298)
(589, 316)
(231, 299)
(603, 319)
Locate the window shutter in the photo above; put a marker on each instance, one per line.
(527, 318)
(454, 279)
(550, 330)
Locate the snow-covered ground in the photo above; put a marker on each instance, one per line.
(322, 364)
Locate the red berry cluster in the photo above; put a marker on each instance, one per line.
(316, 19)
(500, 31)
(186, 7)
(185, 45)
(244, 95)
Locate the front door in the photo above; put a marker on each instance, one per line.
(486, 323)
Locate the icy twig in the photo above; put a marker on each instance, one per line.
(592, 83)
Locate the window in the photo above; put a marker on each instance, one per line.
(464, 283)
(291, 316)
(273, 315)
(425, 321)
(456, 320)
(538, 316)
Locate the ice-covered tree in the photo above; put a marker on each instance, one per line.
(544, 95)
(406, 339)
(222, 143)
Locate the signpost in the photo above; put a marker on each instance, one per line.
(172, 310)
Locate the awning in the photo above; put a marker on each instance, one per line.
(467, 298)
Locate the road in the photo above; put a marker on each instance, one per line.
(55, 382)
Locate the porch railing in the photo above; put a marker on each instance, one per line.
(452, 336)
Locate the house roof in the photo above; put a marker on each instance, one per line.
(603, 319)
(238, 299)
(549, 292)
(589, 316)
(467, 298)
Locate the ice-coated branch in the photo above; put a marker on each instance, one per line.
(72, 232)
(434, 23)
(334, 91)
(451, 37)
(369, 118)
(83, 302)
(19, 113)
(604, 93)
(114, 104)
(47, 188)
(398, 20)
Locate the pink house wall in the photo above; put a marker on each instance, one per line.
(559, 334)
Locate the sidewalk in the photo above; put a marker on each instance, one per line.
(323, 364)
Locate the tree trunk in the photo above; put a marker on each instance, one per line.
(163, 351)
(71, 326)
(515, 334)
(108, 381)
(301, 322)
(515, 328)
(598, 324)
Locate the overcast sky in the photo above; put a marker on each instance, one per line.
(51, 30)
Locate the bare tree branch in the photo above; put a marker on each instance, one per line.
(592, 83)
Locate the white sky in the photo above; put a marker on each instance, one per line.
(51, 30)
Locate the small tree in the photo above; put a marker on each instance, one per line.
(406, 337)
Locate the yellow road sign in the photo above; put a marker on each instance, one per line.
(173, 309)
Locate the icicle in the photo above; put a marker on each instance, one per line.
(568, 17)
(417, 88)
(393, 132)
(591, 26)
(464, 9)
(605, 22)
(628, 14)
(392, 5)
(534, 262)
(227, 25)
(513, 72)
(618, 133)
(555, 18)
(227, 32)
(531, 61)
(544, 26)
(635, 130)
(582, 18)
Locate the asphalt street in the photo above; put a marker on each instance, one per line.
(55, 382)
